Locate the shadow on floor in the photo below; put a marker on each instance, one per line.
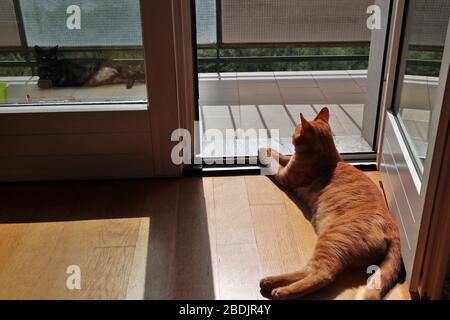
(177, 259)
(179, 255)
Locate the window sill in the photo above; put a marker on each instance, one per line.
(55, 108)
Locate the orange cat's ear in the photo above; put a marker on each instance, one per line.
(305, 123)
(324, 115)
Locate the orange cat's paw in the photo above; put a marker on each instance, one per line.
(264, 155)
(267, 284)
(280, 294)
(266, 151)
(365, 293)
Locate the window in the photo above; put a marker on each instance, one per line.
(66, 52)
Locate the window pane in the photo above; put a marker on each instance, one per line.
(88, 51)
(424, 41)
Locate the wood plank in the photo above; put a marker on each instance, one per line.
(303, 230)
(192, 266)
(262, 191)
(239, 272)
(107, 273)
(278, 249)
(104, 270)
(208, 187)
(76, 247)
(375, 176)
(162, 207)
(232, 211)
(22, 272)
(123, 213)
(193, 278)
(237, 255)
(136, 284)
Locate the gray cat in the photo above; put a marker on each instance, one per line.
(56, 72)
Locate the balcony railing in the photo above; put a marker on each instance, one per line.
(225, 25)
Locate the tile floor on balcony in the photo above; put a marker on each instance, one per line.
(274, 100)
(264, 100)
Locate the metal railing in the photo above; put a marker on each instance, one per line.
(219, 46)
(219, 59)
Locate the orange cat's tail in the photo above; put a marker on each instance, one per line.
(391, 266)
(385, 278)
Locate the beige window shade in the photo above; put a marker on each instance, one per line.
(294, 21)
(9, 31)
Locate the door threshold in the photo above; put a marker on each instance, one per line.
(247, 170)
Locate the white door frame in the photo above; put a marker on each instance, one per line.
(404, 188)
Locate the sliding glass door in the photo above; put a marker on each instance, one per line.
(262, 63)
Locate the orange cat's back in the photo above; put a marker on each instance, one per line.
(355, 185)
(351, 198)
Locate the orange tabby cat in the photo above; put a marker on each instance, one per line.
(349, 214)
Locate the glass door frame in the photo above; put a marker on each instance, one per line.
(425, 185)
(362, 159)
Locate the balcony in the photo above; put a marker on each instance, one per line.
(274, 101)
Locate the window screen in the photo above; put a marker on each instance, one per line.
(205, 11)
(294, 21)
(102, 23)
(433, 17)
